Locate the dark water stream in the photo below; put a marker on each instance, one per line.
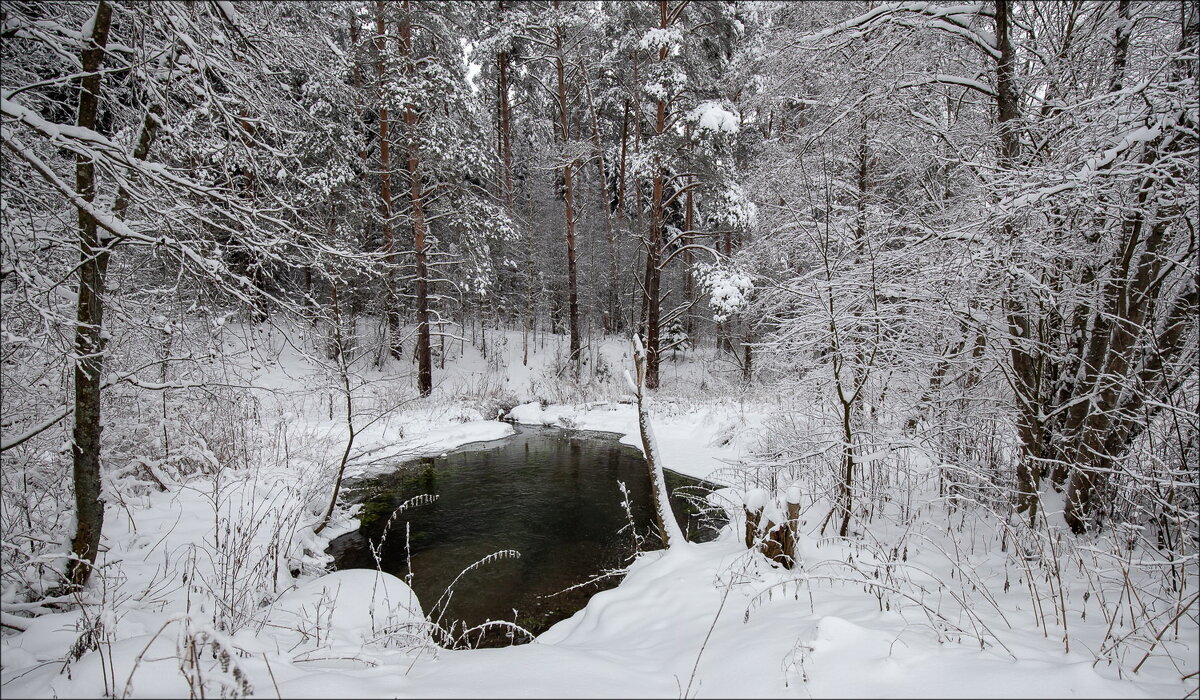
(550, 494)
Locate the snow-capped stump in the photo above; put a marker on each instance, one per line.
(771, 528)
(792, 526)
(356, 606)
(753, 504)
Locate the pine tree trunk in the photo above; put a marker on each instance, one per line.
(505, 137)
(606, 201)
(615, 300)
(504, 156)
(390, 311)
(569, 208)
(417, 217)
(689, 282)
(356, 81)
(654, 251)
(638, 207)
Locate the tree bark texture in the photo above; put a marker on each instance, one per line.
(1118, 376)
(610, 294)
(569, 200)
(1023, 355)
(417, 218)
(89, 337)
(385, 185)
(655, 246)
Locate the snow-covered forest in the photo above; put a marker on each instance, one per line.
(912, 285)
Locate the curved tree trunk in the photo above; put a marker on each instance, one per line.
(664, 519)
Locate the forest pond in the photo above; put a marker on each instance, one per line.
(548, 493)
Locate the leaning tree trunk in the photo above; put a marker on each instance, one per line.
(668, 528)
(89, 339)
(1117, 370)
(340, 349)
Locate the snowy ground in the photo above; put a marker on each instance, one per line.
(197, 596)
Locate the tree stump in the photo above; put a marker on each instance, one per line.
(777, 542)
(752, 519)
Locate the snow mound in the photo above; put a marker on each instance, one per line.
(527, 413)
(354, 605)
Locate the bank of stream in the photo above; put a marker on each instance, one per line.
(552, 495)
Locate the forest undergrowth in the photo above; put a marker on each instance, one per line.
(934, 541)
(940, 542)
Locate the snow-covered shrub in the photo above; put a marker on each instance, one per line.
(730, 208)
(257, 540)
(489, 394)
(677, 339)
(602, 371)
(729, 289)
(36, 503)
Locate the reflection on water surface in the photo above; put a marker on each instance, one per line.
(550, 494)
